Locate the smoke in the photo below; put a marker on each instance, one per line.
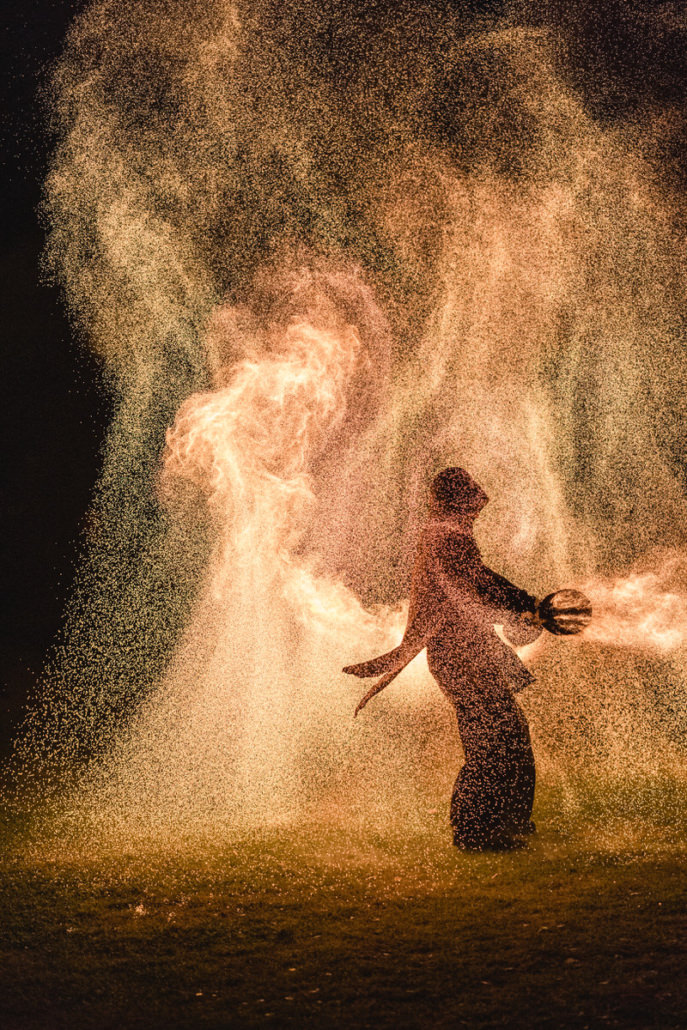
(322, 259)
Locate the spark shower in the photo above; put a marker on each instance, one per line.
(320, 259)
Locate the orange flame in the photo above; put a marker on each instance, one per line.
(645, 611)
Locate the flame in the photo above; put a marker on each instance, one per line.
(321, 303)
(248, 446)
(640, 611)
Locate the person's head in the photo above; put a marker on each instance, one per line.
(455, 493)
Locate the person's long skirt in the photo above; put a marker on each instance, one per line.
(494, 792)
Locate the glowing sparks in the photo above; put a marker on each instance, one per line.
(638, 611)
(307, 307)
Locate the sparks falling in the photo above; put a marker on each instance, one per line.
(308, 301)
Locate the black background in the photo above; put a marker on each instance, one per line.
(53, 408)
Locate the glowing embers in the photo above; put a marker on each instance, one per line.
(536, 339)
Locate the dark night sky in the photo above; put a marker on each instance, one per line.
(623, 57)
(53, 411)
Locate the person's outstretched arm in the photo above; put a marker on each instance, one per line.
(463, 576)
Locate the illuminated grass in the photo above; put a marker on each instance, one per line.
(323, 927)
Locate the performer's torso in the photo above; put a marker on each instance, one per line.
(464, 653)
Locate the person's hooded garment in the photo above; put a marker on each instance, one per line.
(453, 591)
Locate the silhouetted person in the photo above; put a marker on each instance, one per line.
(455, 600)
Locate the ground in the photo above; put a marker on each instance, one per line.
(322, 926)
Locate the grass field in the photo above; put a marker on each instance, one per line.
(326, 927)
